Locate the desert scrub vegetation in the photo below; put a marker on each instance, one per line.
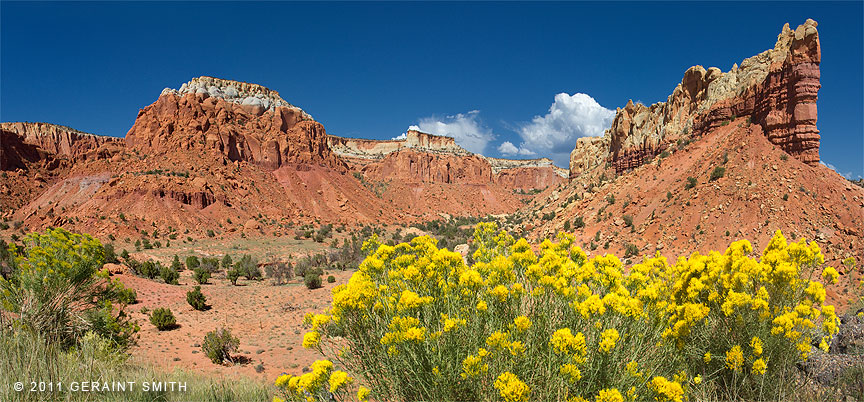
(94, 358)
(62, 320)
(219, 345)
(415, 322)
(201, 275)
(196, 299)
(163, 319)
(55, 287)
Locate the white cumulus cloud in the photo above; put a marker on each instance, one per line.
(466, 128)
(508, 149)
(554, 134)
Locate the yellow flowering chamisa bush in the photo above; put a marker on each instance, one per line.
(415, 322)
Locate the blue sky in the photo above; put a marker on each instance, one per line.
(486, 72)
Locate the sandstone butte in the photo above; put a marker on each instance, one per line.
(776, 90)
(728, 156)
(219, 154)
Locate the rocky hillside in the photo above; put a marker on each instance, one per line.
(33, 155)
(728, 156)
(425, 158)
(776, 89)
(218, 156)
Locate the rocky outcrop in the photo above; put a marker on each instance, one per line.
(413, 166)
(419, 157)
(35, 141)
(253, 97)
(776, 89)
(268, 132)
(784, 103)
(378, 149)
(588, 153)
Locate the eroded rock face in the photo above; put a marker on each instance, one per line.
(34, 141)
(413, 166)
(378, 149)
(776, 89)
(427, 158)
(269, 137)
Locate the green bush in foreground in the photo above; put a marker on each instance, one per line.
(169, 275)
(57, 289)
(201, 275)
(196, 299)
(219, 345)
(163, 319)
(312, 280)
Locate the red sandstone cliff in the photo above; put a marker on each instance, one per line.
(253, 126)
(776, 89)
(426, 158)
(25, 141)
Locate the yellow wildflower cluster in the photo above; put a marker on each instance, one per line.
(420, 323)
(309, 386)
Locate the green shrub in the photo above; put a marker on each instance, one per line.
(169, 275)
(227, 262)
(331, 279)
(70, 297)
(691, 182)
(110, 255)
(630, 250)
(147, 269)
(718, 172)
(211, 264)
(628, 220)
(127, 295)
(192, 262)
(233, 275)
(610, 199)
(175, 264)
(567, 225)
(196, 299)
(248, 266)
(279, 272)
(210, 233)
(219, 345)
(163, 319)
(312, 280)
(578, 222)
(201, 275)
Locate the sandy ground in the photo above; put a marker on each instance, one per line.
(266, 318)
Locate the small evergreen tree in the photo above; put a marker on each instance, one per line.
(196, 299)
(169, 275)
(201, 275)
(163, 319)
(192, 262)
(175, 264)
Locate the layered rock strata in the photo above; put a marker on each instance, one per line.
(776, 89)
(271, 133)
(24, 141)
(420, 157)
